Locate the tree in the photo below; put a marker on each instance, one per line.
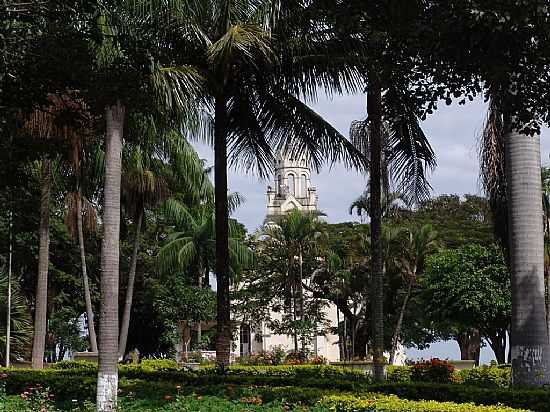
(418, 245)
(504, 68)
(21, 321)
(143, 185)
(192, 246)
(296, 234)
(245, 60)
(466, 294)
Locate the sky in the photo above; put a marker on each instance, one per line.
(453, 132)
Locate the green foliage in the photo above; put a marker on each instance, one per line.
(484, 377)
(465, 288)
(21, 323)
(348, 403)
(480, 377)
(398, 374)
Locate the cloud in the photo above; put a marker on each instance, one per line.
(453, 132)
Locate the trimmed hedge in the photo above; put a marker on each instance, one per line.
(483, 376)
(534, 399)
(349, 403)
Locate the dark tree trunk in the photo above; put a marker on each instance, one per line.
(223, 319)
(497, 341)
(374, 110)
(470, 345)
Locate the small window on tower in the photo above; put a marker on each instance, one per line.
(304, 185)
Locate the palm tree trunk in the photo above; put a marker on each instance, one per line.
(87, 294)
(129, 291)
(199, 325)
(398, 325)
(530, 348)
(8, 320)
(223, 316)
(374, 110)
(43, 262)
(107, 377)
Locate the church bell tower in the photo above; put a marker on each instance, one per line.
(292, 188)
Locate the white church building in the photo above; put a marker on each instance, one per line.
(292, 190)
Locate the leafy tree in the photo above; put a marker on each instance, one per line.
(466, 293)
(181, 305)
(457, 220)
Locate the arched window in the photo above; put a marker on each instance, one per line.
(291, 185)
(304, 185)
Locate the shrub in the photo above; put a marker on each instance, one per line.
(350, 403)
(399, 374)
(484, 377)
(296, 358)
(71, 364)
(433, 370)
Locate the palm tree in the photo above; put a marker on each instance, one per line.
(84, 167)
(20, 321)
(143, 186)
(192, 247)
(54, 121)
(418, 244)
(251, 61)
(511, 175)
(107, 380)
(295, 233)
(398, 153)
(390, 204)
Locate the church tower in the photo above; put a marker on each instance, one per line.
(292, 188)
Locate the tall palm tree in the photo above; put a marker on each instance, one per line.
(419, 242)
(251, 62)
(84, 167)
(399, 154)
(511, 175)
(295, 233)
(55, 120)
(107, 380)
(143, 186)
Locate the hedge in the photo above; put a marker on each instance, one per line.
(349, 403)
(534, 399)
(483, 376)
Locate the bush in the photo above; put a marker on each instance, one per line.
(484, 377)
(399, 374)
(349, 403)
(433, 370)
(71, 365)
(296, 358)
(275, 356)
